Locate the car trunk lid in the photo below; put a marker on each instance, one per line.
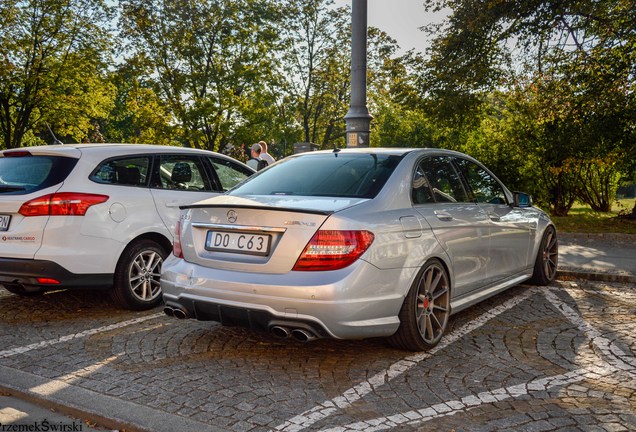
(263, 234)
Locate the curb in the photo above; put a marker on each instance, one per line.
(89, 405)
(611, 237)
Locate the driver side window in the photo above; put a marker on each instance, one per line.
(484, 187)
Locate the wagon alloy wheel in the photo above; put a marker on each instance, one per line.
(546, 264)
(425, 311)
(144, 275)
(137, 275)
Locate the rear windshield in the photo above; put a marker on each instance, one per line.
(327, 174)
(21, 175)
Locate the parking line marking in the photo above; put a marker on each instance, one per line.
(21, 350)
(614, 355)
(448, 408)
(616, 361)
(326, 408)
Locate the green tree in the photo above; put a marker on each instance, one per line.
(316, 64)
(139, 115)
(212, 60)
(52, 62)
(572, 67)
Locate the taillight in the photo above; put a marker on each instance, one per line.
(176, 246)
(61, 204)
(333, 250)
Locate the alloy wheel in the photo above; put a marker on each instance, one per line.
(144, 274)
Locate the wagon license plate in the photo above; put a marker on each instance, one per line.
(4, 222)
(245, 243)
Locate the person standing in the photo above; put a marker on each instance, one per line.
(264, 155)
(255, 161)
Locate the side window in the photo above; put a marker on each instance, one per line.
(421, 192)
(181, 172)
(485, 188)
(445, 183)
(229, 173)
(130, 171)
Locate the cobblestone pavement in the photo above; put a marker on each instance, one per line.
(557, 358)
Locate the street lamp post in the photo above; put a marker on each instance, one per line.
(358, 119)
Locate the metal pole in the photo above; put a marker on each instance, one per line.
(358, 119)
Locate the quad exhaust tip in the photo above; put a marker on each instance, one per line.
(175, 312)
(280, 332)
(299, 334)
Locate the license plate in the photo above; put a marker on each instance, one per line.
(4, 222)
(245, 243)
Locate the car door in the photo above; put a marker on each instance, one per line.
(511, 231)
(460, 226)
(178, 180)
(227, 173)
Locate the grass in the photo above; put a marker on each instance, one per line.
(582, 219)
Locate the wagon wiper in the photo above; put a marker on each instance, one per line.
(9, 188)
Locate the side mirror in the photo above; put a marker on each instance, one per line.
(522, 199)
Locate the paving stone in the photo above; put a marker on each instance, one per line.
(495, 378)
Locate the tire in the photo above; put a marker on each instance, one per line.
(425, 311)
(546, 263)
(136, 284)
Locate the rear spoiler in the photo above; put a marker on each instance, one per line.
(254, 207)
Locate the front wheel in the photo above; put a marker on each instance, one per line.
(545, 265)
(425, 311)
(137, 276)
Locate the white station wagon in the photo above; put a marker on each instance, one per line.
(100, 215)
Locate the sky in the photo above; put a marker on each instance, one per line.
(401, 20)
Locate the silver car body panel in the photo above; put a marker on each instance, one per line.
(485, 248)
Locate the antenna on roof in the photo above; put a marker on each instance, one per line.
(55, 140)
(335, 148)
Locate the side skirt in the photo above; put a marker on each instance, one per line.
(480, 294)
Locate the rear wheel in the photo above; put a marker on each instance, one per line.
(137, 275)
(545, 265)
(425, 311)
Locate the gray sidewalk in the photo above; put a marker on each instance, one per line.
(604, 257)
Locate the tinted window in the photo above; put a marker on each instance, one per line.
(421, 192)
(26, 174)
(445, 183)
(484, 187)
(332, 174)
(130, 171)
(229, 173)
(182, 172)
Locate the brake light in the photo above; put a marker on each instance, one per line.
(176, 246)
(333, 250)
(16, 153)
(61, 204)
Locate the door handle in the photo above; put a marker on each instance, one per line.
(173, 203)
(494, 217)
(443, 216)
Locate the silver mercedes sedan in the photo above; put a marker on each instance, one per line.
(357, 243)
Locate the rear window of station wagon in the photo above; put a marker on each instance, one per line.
(22, 173)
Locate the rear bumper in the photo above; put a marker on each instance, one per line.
(357, 302)
(25, 272)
